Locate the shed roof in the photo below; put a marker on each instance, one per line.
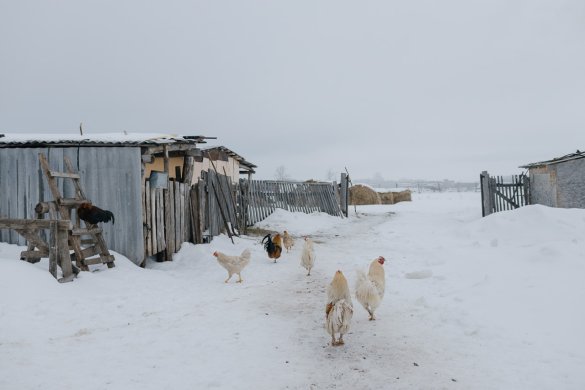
(101, 139)
(568, 157)
(243, 162)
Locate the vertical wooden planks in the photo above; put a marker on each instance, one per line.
(498, 194)
(264, 196)
(202, 210)
(147, 220)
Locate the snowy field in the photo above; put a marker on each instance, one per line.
(471, 303)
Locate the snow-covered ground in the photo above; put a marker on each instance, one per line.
(471, 303)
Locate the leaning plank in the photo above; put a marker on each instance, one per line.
(63, 256)
(202, 209)
(147, 220)
(53, 249)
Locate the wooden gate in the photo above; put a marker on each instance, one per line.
(499, 194)
(177, 213)
(165, 218)
(213, 207)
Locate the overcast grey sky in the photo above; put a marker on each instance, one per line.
(407, 89)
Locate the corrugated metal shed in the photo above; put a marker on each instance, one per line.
(103, 140)
(111, 168)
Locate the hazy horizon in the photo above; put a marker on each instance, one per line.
(433, 90)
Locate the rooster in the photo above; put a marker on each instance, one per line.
(369, 289)
(273, 246)
(288, 241)
(339, 308)
(308, 255)
(92, 214)
(233, 264)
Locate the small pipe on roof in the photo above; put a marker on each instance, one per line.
(198, 137)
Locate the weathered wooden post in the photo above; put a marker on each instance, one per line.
(344, 193)
(486, 198)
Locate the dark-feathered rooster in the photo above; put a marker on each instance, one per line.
(273, 246)
(92, 214)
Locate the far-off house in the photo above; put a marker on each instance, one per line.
(559, 182)
(226, 162)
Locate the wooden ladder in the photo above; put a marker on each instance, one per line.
(94, 244)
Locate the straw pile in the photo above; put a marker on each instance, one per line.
(395, 197)
(360, 194)
(402, 196)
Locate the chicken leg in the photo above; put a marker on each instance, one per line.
(333, 341)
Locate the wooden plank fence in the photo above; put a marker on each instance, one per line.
(498, 194)
(263, 197)
(214, 205)
(182, 213)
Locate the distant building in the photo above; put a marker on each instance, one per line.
(227, 162)
(559, 182)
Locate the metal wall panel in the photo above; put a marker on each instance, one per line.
(110, 177)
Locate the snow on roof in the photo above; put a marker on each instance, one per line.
(102, 139)
(568, 157)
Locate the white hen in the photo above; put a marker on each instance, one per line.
(233, 264)
(369, 289)
(287, 241)
(308, 255)
(339, 308)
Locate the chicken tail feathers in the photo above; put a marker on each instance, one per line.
(366, 292)
(245, 255)
(268, 245)
(108, 215)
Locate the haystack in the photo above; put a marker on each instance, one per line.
(386, 197)
(395, 197)
(360, 194)
(402, 196)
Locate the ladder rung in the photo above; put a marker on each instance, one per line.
(108, 259)
(33, 255)
(91, 251)
(64, 174)
(99, 260)
(94, 260)
(71, 202)
(83, 231)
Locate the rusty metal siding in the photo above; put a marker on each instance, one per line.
(110, 177)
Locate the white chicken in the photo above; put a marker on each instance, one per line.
(233, 264)
(308, 255)
(369, 289)
(287, 241)
(339, 308)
